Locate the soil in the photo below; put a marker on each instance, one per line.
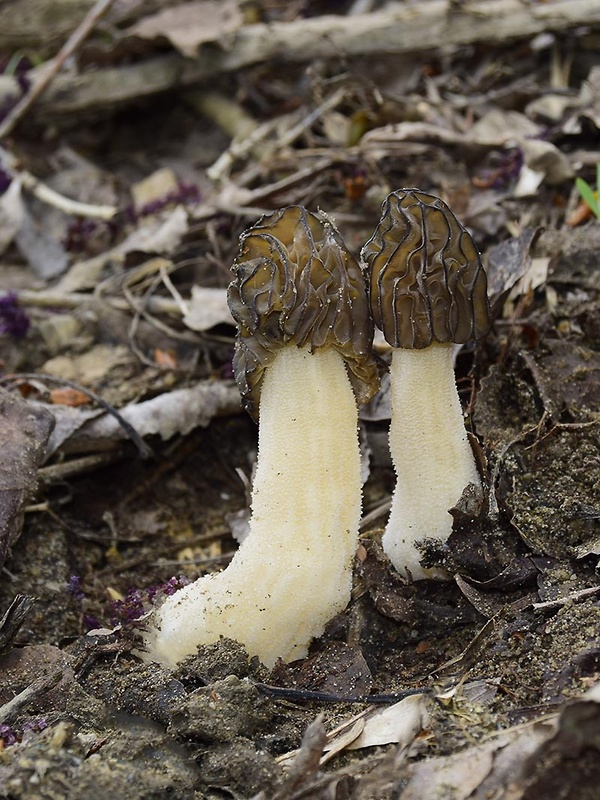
(501, 657)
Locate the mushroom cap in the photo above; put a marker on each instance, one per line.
(297, 283)
(426, 280)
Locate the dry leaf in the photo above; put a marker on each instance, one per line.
(207, 308)
(580, 214)
(189, 25)
(45, 255)
(66, 396)
(91, 367)
(399, 724)
(165, 358)
(162, 236)
(24, 432)
(546, 158)
(155, 187)
(498, 127)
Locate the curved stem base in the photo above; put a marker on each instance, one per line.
(293, 571)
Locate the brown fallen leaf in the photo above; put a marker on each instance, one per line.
(165, 358)
(65, 396)
(24, 432)
(580, 214)
(553, 756)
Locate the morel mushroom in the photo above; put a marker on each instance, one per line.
(304, 341)
(427, 289)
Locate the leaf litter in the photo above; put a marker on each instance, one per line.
(118, 226)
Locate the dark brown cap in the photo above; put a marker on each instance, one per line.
(297, 284)
(426, 280)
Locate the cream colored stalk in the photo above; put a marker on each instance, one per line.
(293, 571)
(297, 351)
(427, 289)
(431, 454)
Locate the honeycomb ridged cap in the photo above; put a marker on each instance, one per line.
(296, 283)
(426, 280)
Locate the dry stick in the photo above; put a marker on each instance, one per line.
(72, 44)
(145, 450)
(39, 686)
(574, 597)
(66, 204)
(50, 299)
(14, 617)
(47, 195)
(404, 28)
(76, 466)
(242, 147)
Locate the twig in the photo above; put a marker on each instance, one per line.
(377, 513)
(13, 619)
(242, 147)
(574, 597)
(401, 28)
(76, 466)
(43, 299)
(39, 686)
(204, 563)
(132, 563)
(144, 449)
(66, 204)
(72, 44)
(308, 695)
(49, 196)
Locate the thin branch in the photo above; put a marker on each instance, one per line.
(49, 196)
(66, 204)
(402, 28)
(144, 449)
(72, 44)
(573, 597)
(41, 685)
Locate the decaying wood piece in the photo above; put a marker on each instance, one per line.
(50, 71)
(170, 414)
(46, 23)
(400, 29)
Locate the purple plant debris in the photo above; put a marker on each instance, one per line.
(186, 193)
(74, 587)
(128, 609)
(91, 623)
(13, 320)
(135, 603)
(74, 240)
(7, 735)
(167, 589)
(35, 725)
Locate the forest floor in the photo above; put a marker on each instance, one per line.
(127, 458)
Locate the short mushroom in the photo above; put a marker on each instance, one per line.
(303, 350)
(427, 289)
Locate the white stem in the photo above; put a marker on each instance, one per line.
(293, 571)
(431, 453)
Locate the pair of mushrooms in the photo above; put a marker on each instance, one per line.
(303, 355)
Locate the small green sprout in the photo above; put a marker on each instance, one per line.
(590, 196)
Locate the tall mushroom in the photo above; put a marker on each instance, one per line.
(303, 349)
(427, 289)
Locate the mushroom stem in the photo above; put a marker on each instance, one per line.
(431, 454)
(282, 586)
